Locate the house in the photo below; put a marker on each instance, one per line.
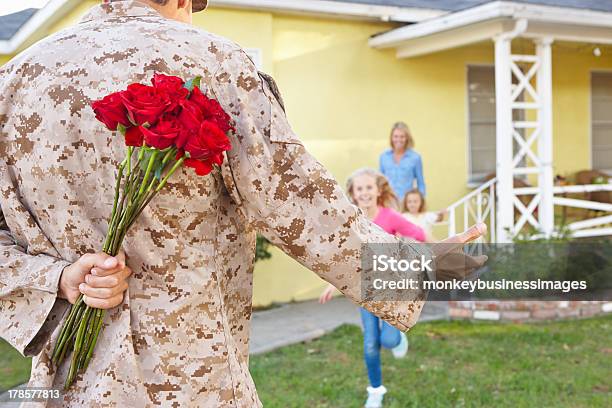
(522, 89)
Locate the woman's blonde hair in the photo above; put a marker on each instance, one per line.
(422, 207)
(404, 128)
(387, 197)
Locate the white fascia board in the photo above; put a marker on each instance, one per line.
(455, 38)
(562, 15)
(463, 18)
(491, 11)
(334, 8)
(43, 17)
(567, 32)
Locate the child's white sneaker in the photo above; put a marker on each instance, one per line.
(375, 396)
(401, 349)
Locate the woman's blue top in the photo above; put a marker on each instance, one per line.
(401, 175)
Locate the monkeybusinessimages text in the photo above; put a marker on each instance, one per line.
(385, 263)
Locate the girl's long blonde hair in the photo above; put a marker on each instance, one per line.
(387, 197)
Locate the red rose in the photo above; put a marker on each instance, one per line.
(164, 133)
(145, 104)
(211, 109)
(201, 168)
(209, 142)
(111, 111)
(134, 136)
(172, 85)
(191, 119)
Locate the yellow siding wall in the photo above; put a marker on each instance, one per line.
(342, 97)
(250, 29)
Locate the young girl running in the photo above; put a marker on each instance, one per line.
(371, 192)
(414, 209)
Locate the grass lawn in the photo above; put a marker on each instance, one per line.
(450, 364)
(14, 369)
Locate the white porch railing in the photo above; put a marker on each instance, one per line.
(479, 206)
(592, 227)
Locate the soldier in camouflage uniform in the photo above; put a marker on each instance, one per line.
(179, 337)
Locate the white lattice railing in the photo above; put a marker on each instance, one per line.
(591, 227)
(477, 206)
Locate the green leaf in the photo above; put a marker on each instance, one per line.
(158, 172)
(193, 83)
(122, 129)
(197, 80)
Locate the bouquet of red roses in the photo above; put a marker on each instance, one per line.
(165, 126)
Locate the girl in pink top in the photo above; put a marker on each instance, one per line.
(372, 193)
(395, 223)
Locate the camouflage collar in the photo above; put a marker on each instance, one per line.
(127, 8)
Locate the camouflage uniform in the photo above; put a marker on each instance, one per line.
(180, 338)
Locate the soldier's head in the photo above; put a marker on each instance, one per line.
(180, 10)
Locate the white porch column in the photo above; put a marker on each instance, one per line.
(504, 152)
(546, 209)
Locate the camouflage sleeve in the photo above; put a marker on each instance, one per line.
(28, 285)
(290, 198)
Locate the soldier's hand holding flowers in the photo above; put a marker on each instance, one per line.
(101, 278)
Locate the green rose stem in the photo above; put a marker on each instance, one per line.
(89, 335)
(82, 327)
(77, 347)
(150, 193)
(129, 189)
(70, 330)
(114, 212)
(127, 219)
(58, 351)
(100, 315)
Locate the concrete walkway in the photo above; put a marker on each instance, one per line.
(296, 322)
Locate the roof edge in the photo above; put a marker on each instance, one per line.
(44, 17)
(336, 8)
(492, 11)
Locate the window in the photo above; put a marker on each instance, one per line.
(481, 106)
(482, 120)
(601, 120)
